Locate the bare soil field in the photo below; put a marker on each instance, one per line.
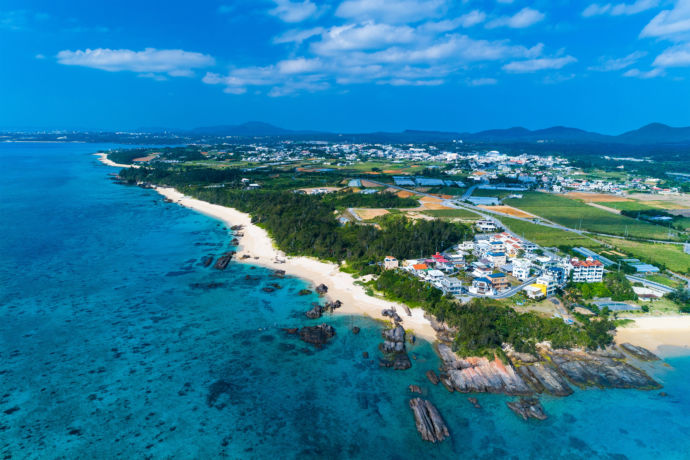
(432, 203)
(605, 208)
(508, 210)
(681, 201)
(368, 214)
(366, 183)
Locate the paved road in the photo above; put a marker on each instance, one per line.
(651, 284)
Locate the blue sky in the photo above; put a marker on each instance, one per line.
(345, 65)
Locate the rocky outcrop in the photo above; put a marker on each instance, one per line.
(317, 335)
(479, 375)
(206, 260)
(321, 289)
(639, 352)
(528, 408)
(394, 349)
(334, 305)
(433, 378)
(392, 314)
(315, 312)
(474, 402)
(355, 330)
(542, 377)
(415, 389)
(278, 274)
(236, 227)
(588, 369)
(429, 422)
(304, 292)
(224, 260)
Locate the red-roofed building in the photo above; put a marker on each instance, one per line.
(586, 271)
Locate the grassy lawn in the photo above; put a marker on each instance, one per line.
(546, 236)
(452, 213)
(669, 255)
(576, 214)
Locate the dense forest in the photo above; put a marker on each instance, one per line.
(484, 325)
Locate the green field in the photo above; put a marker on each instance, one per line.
(627, 205)
(665, 280)
(576, 214)
(546, 236)
(452, 213)
(669, 255)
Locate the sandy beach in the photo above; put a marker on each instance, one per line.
(257, 244)
(103, 158)
(664, 335)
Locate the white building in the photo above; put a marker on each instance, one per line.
(452, 286)
(522, 269)
(550, 284)
(586, 271)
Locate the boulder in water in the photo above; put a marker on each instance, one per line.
(429, 422)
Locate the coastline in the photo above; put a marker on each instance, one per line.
(103, 158)
(663, 335)
(257, 244)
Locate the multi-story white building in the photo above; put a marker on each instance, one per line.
(521, 269)
(549, 282)
(452, 286)
(586, 271)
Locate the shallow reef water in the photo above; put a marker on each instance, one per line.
(116, 342)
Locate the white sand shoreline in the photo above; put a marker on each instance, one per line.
(103, 158)
(257, 244)
(664, 335)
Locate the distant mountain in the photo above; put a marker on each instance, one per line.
(656, 133)
(652, 134)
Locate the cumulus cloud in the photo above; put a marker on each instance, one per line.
(298, 35)
(289, 11)
(612, 64)
(535, 65)
(670, 23)
(482, 82)
(619, 9)
(526, 17)
(172, 62)
(391, 11)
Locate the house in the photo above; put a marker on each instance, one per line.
(390, 263)
(450, 285)
(535, 291)
(586, 271)
(482, 286)
(434, 276)
(497, 258)
(499, 281)
(559, 274)
(442, 263)
(480, 270)
(549, 283)
(486, 226)
(420, 269)
(522, 269)
(458, 260)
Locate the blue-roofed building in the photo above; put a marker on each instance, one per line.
(484, 200)
(589, 253)
(403, 181)
(428, 182)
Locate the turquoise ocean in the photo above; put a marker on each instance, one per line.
(113, 345)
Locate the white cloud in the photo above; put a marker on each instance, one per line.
(676, 56)
(534, 65)
(524, 18)
(670, 23)
(392, 11)
(362, 37)
(611, 64)
(289, 11)
(172, 62)
(482, 82)
(298, 35)
(619, 9)
(636, 73)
